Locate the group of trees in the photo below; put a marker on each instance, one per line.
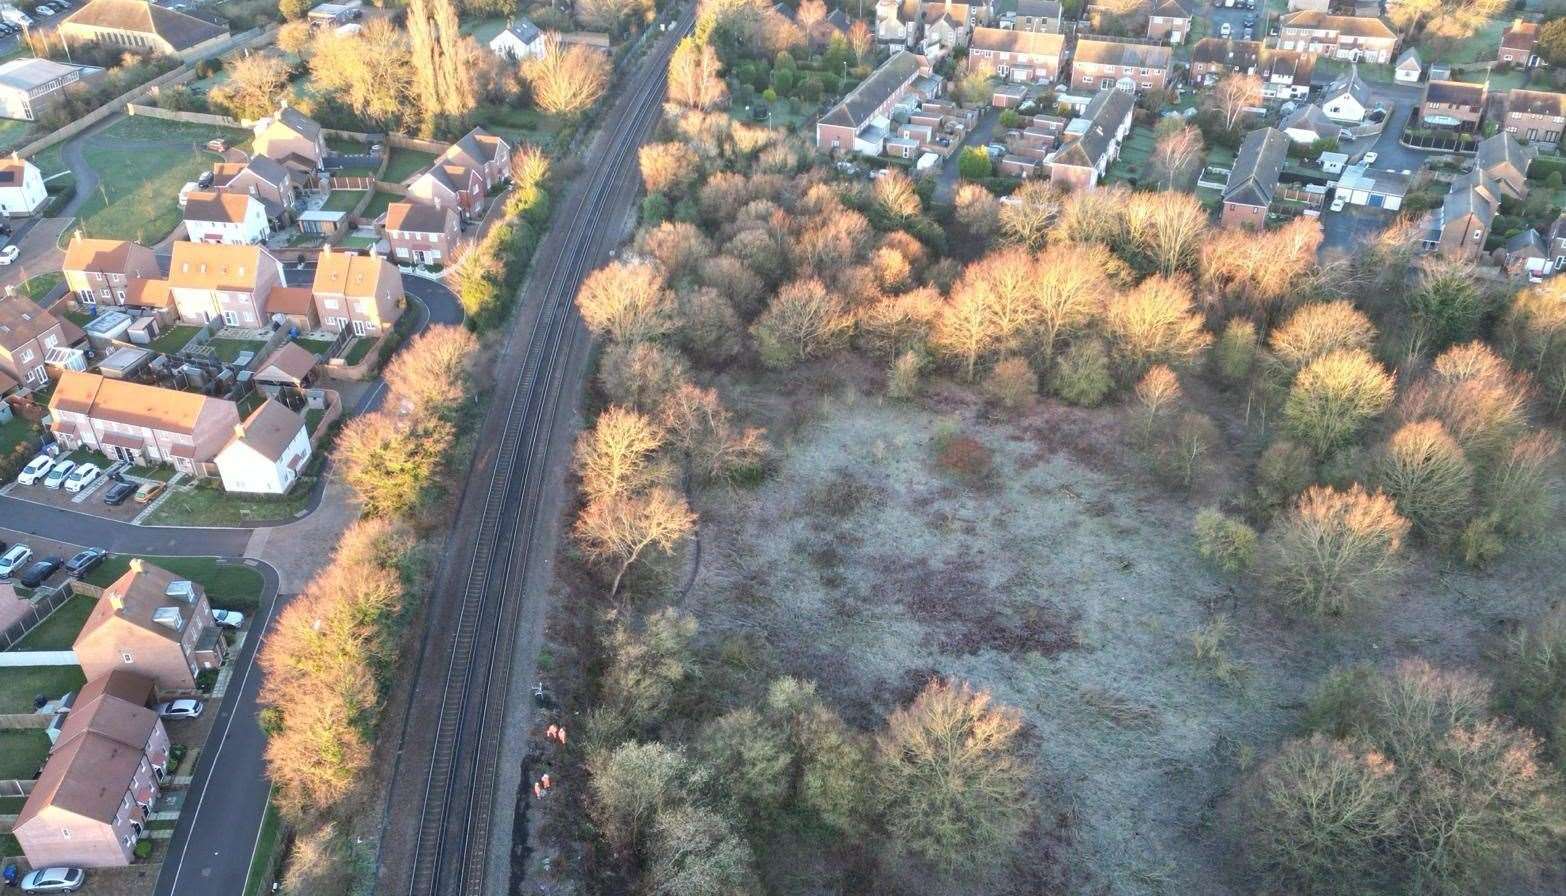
(490, 272)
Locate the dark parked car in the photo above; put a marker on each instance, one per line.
(118, 492)
(41, 571)
(85, 561)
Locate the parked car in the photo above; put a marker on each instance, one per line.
(85, 561)
(8, 254)
(12, 560)
(1250, 21)
(183, 708)
(40, 572)
(1369, 158)
(229, 618)
(56, 476)
(53, 880)
(148, 491)
(83, 476)
(118, 492)
(35, 470)
(1338, 203)
(1225, 29)
(42, 11)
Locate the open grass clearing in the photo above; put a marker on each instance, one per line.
(141, 164)
(20, 684)
(229, 586)
(59, 630)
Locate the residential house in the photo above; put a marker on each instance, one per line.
(1287, 74)
(462, 177)
(482, 151)
(1351, 38)
(1101, 64)
(1409, 69)
(1310, 5)
(1460, 227)
(211, 281)
(143, 26)
(1253, 179)
(1452, 104)
(334, 15)
(1214, 57)
(292, 140)
(935, 26)
(1502, 159)
(32, 86)
(1035, 15)
(21, 187)
(1524, 255)
(1347, 100)
(218, 216)
(140, 424)
(1019, 55)
(1168, 20)
(154, 623)
(519, 40)
(421, 232)
(358, 292)
(1091, 143)
(1535, 116)
(861, 122)
(27, 333)
(1519, 45)
(1309, 124)
(1557, 243)
(90, 804)
(99, 272)
(265, 179)
(267, 452)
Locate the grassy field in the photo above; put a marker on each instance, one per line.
(22, 752)
(138, 192)
(202, 506)
(404, 163)
(527, 125)
(1477, 47)
(229, 586)
(59, 630)
(342, 200)
(19, 685)
(174, 340)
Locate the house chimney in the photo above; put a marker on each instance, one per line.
(136, 564)
(116, 600)
(239, 430)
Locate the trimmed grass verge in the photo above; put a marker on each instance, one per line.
(266, 845)
(211, 506)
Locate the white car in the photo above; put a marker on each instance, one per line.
(1338, 203)
(8, 254)
(183, 708)
(1226, 29)
(35, 469)
(53, 880)
(1369, 158)
(81, 477)
(14, 559)
(228, 618)
(56, 476)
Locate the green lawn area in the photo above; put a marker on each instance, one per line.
(227, 350)
(22, 752)
(41, 285)
(516, 123)
(342, 200)
(377, 205)
(314, 346)
(360, 348)
(1133, 156)
(138, 195)
(266, 845)
(13, 432)
(211, 506)
(1477, 47)
(360, 242)
(174, 340)
(229, 586)
(345, 146)
(59, 630)
(159, 474)
(484, 30)
(313, 419)
(20, 684)
(1498, 80)
(14, 133)
(404, 163)
(9, 846)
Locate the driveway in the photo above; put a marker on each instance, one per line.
(1390, 153)
(946, 181)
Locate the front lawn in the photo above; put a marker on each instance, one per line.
(229, 586)
(342, 200)
(23, 752)
(40, 286)
(59, 630)
(228, 350)
(404, 163)
(174, 340)
(20, 684)
(142, 163)
(211, 506)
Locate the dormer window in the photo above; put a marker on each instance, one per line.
(169, 617)
(181, 589)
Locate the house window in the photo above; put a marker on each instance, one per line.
(27, 355)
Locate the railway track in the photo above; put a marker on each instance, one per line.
(451, 852)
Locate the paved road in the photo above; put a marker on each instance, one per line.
(946, 182)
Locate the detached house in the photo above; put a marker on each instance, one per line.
(361, 293)
(1350, 38)
(1347, 100)
(208, 281)
(291, 140)
(1019, 55)
(1505, 161)
(90, 805)
(1535, 116)
(1519, 45)
(153, 623)
(21, 187)
(1101, 64)
(518, 41)
(1254, 178)
(421, 233)
(140, 424)
(27, 333)
(1460, 227)
(218, 216)
(1214, 57)
(100, 272)
(465, 173)
(1308, 124)
(1409, 69)
(1452, 104)
(1034, 15)
(1090, 144)
(267, 452)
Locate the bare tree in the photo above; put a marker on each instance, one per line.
(616, 457)
(256, 81)
(804, 320)
(1027, 218)
(1425, 472)
(1178, 154)
(976, 210)
(1073, 284)
(443, 82)
(1334, 547)
(1158, 391)
(1233, 95)
(1318, 329)
(371, 72)
(431, 373)
(626, 301)
(667, 167)
(696, 76)
(619, 528)
(1334, 396)
(1154, 324)
(566, 80)
(1168, 228)
(700, 427)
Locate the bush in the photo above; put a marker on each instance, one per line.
(902, 381)
(1235, 354)
(1082, 376)
(1425, 472)
(1012, 384)
(1532, 679)
(143, 849)
(1225, 542)
(963, 456)
(1333, 547)
(974, 163)
(1284, 470)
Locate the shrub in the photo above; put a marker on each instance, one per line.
(902, 381)
(1081, 376)
(1283, 471)
(1235, 354)
(1532, 679)
(1425, 472)
(974, 163)
(143, 849)
(1012, 384)
(963, 456)
(1334, 396)
(1333, 547)
(1225, 542)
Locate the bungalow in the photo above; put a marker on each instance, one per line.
(1409, 68)
(1019, 55)
(1347, 99)
(358, 292)
(90, 805)
(140, 424)
(218, 216)
(1452, 104)
(27, 334)
(1091, 143)
(1502, 159)
(98, 271)
(861, 121)
(421, 233)
(519, 40)
(1309, 124)
(292, 140)
(1100, 64)
(208, 281)
(22, 190)
(1519, 45)
(154, 623)
(1254, 178)
(267, 452)
(1213, 57)
(1535, 116)
(1351, 38)
(1287, 74)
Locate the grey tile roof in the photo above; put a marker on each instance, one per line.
(1254, 177)
(1105, 113)
(861, 102)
